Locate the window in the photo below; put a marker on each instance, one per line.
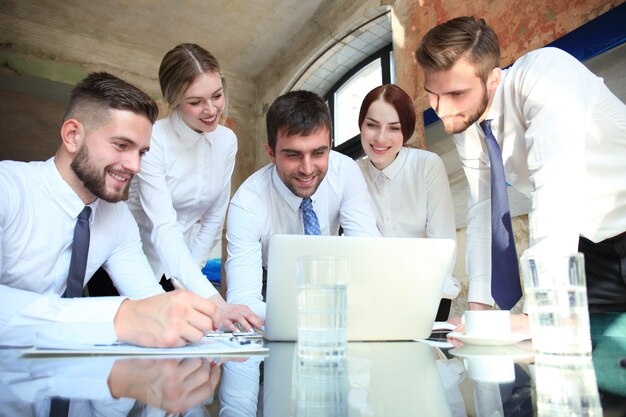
(349, 69)
(348, 100)
(345, 97)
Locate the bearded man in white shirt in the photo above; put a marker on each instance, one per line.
(268, 202)
(562, 134)
(105, 131)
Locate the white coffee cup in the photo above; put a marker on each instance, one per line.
(491, 324)
(490, 368)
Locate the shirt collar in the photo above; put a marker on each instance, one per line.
(391, 171)
(187, 135)
(292, 200)
(62, 194)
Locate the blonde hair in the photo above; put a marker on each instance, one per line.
(181, 66)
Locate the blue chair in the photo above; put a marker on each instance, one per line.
(213, 271)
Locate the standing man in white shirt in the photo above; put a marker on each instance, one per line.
(562, 136)
(302, 166)
(104, 134)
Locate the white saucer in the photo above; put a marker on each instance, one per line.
(509, 339)
(512, 352)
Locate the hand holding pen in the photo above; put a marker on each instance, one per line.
(232, 317)
(166, 320)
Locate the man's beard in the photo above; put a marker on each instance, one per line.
(93, 180)
(474, 117)
(290, 183)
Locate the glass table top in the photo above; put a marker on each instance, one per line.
(374, 379)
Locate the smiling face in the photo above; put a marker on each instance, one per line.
(108, 156)
(301, 160)
(203, 102)
(381, 134)
(459, 97)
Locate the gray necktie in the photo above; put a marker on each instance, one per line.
(59, 407)
(80, 251)
(505, 283)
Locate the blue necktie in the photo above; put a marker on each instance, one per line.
(80, 251)
(505, 282)
(309, 219)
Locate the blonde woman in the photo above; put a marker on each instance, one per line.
(185, 178)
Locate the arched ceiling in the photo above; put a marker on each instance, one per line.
(63, 40)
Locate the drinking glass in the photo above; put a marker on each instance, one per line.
(322, 306)
(556, 299)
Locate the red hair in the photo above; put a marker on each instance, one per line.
(400, 101)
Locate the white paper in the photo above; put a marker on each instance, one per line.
(443, 325)
(436, 343)
(210, 345)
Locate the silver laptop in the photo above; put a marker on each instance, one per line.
(394, 287)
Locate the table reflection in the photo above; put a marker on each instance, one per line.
(566, 386)
(106, 386)
(321, 388)
(498, 381)
(376, 379)
(239, 391)
(373, 380)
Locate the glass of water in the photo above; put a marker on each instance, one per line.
(322, 307)
(556, 299)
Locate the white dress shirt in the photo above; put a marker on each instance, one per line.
(411, 198)
(184, 178)
(38, 212)
(563, 140)
(264, 206)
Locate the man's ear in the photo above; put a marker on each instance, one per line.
(270, 153)
(494, 80)
(72, 135)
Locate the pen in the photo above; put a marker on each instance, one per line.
(240, 340)
(177, 283)
(246, 340)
